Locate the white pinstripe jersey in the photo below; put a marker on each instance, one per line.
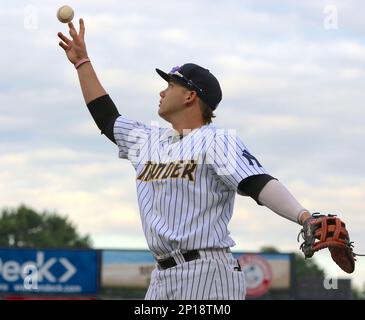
(186, 187)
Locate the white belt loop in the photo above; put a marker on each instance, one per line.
(177, 255)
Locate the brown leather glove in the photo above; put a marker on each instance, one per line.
(328, 231)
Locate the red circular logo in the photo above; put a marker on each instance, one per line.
(258, 274)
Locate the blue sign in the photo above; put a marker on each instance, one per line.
(49, 271)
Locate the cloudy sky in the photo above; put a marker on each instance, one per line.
(292, 74)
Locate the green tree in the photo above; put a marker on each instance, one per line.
(24, 227)
(303, 267)
(307, 267)
(269, 249)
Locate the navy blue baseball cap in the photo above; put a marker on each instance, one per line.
(196, 78)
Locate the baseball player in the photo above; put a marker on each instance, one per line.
(186, 177)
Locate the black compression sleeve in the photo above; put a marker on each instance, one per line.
(104, 113)
(253, 185)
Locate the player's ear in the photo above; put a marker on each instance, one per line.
(191, 96)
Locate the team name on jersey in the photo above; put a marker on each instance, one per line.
(161, 171)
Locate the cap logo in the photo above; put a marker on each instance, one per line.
(176, 72)
(175, 69)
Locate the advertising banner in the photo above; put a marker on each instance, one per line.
(132, 269)
(47, 271)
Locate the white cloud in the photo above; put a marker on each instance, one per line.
(174, 36)
(351, 50)
(15, 122)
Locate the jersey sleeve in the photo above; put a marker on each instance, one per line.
(231, 160)
(129, 136)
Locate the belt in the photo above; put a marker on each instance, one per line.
(170, 261)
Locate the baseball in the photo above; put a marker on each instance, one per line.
(65, 14)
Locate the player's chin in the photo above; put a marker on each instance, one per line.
(161, 112)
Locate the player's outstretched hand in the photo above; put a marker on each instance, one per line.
(328, 231)
(75, 49)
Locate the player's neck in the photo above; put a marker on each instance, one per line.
(182, 126)
(186, 119)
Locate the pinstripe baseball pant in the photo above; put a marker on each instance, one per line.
(214, 276)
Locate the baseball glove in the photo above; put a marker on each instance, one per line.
(328, 231)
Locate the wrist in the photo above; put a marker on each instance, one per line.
(79, 63)
(304, 215)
